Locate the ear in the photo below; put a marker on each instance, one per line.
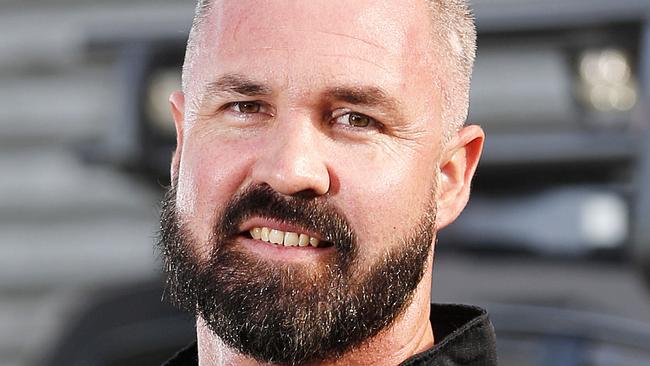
(177, 102)
(457, 166)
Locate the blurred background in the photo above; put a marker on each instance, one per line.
(555, 241)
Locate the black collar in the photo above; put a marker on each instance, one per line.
(464, 336)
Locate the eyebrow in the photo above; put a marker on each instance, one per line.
(369, 96)
(230, 85)
(236, 85)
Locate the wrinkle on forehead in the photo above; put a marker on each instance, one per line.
(377, 24)
(324, 53)
(391, 37)
(355, 38)
(317, 42)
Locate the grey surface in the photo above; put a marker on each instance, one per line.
(498, 15)
(502, 96)
(68, 228)
(601, 287)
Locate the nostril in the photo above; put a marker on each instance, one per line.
(306, 194)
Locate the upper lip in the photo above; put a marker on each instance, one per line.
(277, 225)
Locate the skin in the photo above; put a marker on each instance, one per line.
(380, 176)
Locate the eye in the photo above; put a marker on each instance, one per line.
(356, 120)
(246, 107)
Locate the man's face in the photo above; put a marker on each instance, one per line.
(315, 58)
(314, 118)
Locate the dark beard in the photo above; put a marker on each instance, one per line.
(289, 313)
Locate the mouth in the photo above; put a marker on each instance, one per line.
(282, 235)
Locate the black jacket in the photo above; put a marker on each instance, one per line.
(463, 334)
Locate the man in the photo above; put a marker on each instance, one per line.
(320, 148)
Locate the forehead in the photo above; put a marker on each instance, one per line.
(362, 40)
(385, 24)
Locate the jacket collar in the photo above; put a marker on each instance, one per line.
(464, 334)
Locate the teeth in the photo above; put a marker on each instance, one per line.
(256, 233)
(303, 241)
(287, 239)
(276, 236)
(265, 234)
(290, 240)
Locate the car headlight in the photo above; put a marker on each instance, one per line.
(607, 81)
(162, 83)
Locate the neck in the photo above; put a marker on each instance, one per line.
(410, 334)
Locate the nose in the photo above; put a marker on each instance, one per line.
(291, 161)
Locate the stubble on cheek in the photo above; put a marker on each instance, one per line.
(196, 228)
(205, 186)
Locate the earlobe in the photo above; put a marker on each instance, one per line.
(457, 167)
(177, 104)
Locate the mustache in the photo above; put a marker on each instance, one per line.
(313, 214)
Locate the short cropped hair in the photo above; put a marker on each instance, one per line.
(453, 26)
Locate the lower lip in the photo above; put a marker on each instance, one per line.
(282, 253)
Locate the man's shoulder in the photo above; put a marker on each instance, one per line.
(464, 335)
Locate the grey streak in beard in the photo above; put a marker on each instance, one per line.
(277, 313)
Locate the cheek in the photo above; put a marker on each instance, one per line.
(211, 172)
(386, 196)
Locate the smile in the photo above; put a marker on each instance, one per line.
(282, 238)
